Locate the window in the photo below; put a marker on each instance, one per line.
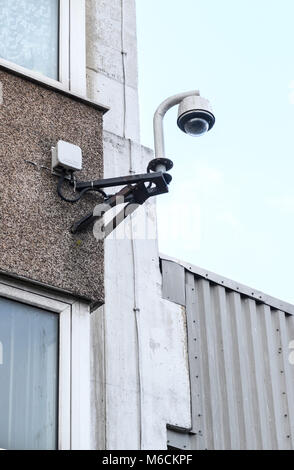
(45, 39)
(44, 370)
(29, 35)
(28, 377)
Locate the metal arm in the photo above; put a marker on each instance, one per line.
(157, 178)
(135, 194)
(159, 116)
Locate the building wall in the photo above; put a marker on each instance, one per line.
(139, 378)
(142, 384)
(35, 239)
(242, 379)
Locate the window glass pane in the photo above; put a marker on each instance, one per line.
(28, 377)
(29, 34)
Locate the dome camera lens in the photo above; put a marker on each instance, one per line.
(196, 127)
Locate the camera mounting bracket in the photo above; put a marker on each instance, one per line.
(137, 189)
(134, 195)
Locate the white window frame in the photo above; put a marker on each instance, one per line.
(74, 415)
(72, 51)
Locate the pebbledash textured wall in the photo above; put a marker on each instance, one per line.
(35, 238)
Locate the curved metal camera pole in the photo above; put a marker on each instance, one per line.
(159, 115)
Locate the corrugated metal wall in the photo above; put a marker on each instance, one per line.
(242, 382)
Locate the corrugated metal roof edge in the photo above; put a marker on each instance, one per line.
(233, 285)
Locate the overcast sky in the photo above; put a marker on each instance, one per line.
(231, 205)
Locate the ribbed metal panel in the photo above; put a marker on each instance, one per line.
(242, 382)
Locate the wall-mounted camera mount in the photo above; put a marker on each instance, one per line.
(195, 118)
(137, 188)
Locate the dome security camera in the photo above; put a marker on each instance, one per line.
(195, 116)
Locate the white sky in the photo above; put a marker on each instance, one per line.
(231, 205)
